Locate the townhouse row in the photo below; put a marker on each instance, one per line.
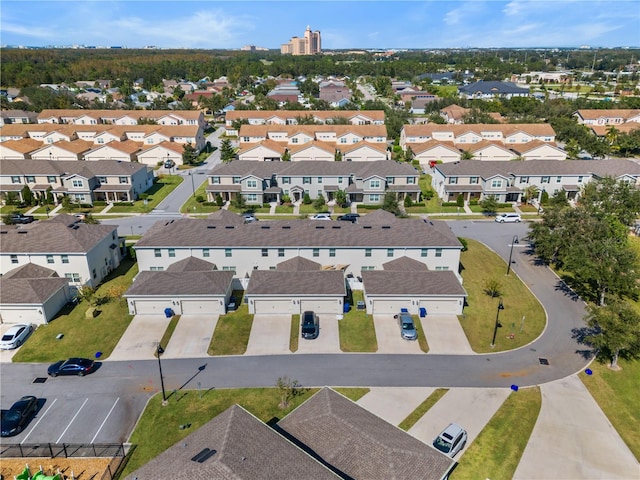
(122, 117)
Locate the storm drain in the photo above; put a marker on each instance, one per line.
(39, 380)
(543, 361)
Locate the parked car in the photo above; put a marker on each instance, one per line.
(232, 306)
(321, 216)
(508, 218)
(349, 217)
(407, 327)
(18, 416)
(169, 163)
(72, 366)
(249, 218)
(451, 440)
(15, 336)
(310, 326)
(16, 218)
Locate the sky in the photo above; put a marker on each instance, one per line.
(349, 24)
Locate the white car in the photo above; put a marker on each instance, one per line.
(508, 218)
(15, 336)
(451, 440)
(321, 216)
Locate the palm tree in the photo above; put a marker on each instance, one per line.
(466, 155)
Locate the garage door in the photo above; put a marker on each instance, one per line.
(389, 306)
(21, 315)
(272, 306)
(200, 306)
(441, 307)
(151, 307)
(321, 306)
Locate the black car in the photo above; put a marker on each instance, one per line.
(349, 217)
(169, 163)
(72, 366)
(310, 327)
(18, 416)
(16, 218)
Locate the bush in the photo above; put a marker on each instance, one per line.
(449, 204)
(211, 204)
(99, 203)
(199, 198)
(460, 200)
(123, 204)
(473, 202)
(306, 199)
(219, 201)
(465, 244)
(370, 207)
(407, 201)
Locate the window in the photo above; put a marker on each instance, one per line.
(524, 179)
(14, 258)
(424, 252)
(368, 268)
(389, 252)
(473, 180)
(453, 180)
(367, 252)
(93, 272)
(236, 180)
(172, 253)
(411, 180)
(265, 252)
(30, 179)
(15, 180)
(545, 179)
(215, 180)
(339, 179)
(286, 180)
(343, 140)
(123, 180)
(227, 252)
(496, 183)
(157, 252)
(319, 179)
(64, 258)
(558, 179)
(391, 180)
(50, 259)
(156, 269)
(281, 252)
(306, 180)
(229, 269)
(580, 179)
(438, 252)
(77, 183)
(102, 179)
(294, 140)
(374, 183)
(51, 180)
(375, 198)
(252, 197)
(316, 252)
(206, 252)
(332, 252)
(440, 269)
(252, 184)
(74, 277)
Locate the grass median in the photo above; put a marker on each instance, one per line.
(232, 331)
(357, 331)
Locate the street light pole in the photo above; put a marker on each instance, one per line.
(495, 328)
(514, 240)
(160, 351)
(193, 188)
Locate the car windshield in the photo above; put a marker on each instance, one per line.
(442, 445)
(407, 325)
(7, 337)
(11, 415)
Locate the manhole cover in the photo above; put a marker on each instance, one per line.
(40, 380)
(543, 361)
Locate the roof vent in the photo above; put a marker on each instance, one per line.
(22, 231)
(366, 226)
(265, 227)
(229, 226)
(386, 227)
(204, 455)
(4, 232)
(335, 226)
(319, 227)
(211, 226)
(288, 227)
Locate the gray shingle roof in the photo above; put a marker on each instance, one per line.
(191, 264)
(245, 449)
(288, 283)
(384, 282)
(492, 86)
(226, 217)
(180, 283)
(397, 233)
(54, 236)
(70, 167)
(30, 270)
(360, 444)
(29, 290)
(298, 264)
(404, 264)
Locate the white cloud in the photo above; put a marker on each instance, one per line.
(26, 31)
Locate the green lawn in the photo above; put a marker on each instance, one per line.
(285, 209)
(423, 408)
(480, 264)
(617, 394)
(357, 332)
(83, 337)
(294, 336)
(162, 187)
(173, 323)
(496, 452)
(422, 338)
(232, 331)
(192, 206)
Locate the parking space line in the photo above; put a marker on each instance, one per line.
(105, 420)
(39, 420)
(74, 417)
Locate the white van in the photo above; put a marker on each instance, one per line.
(509, 218)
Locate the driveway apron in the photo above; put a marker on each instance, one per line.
(445, 335)
(328, 340)
(141, 338)
(389, 339)
(269, 335)
(394, 404)
(192, 336)
(573, 438)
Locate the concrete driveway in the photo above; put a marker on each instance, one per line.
(141, 338)
(574, 439)
(389, 339)
(327, 342)
(445, 335)
(471, 408)
(269, 335)
(394, 404)
(192, 336)
(7, 355)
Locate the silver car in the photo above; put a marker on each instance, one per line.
(15, 336)
(451, 440)
(407, 327)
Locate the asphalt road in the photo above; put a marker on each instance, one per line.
(105, 405)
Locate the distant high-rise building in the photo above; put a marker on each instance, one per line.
(309, 44)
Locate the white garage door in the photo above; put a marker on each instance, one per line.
(441, 307)
(321, 306)
(272, 306)
(22, 315)
(389, 306)
(151, 307)
(200, 306)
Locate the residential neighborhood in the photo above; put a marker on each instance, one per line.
(306, 262)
